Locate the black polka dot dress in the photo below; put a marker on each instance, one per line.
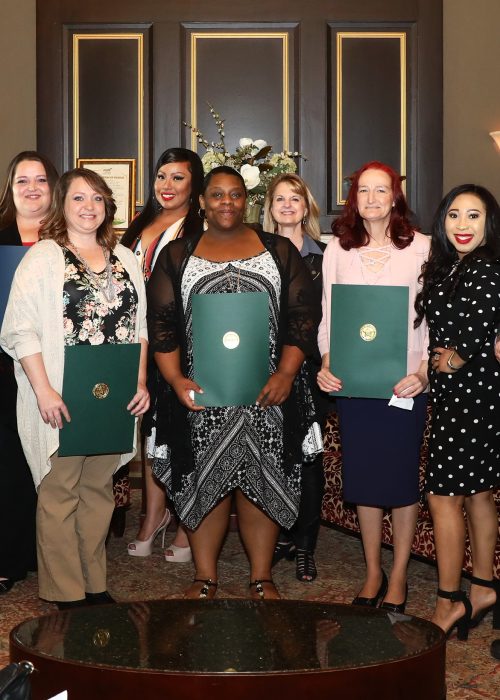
(464, 449)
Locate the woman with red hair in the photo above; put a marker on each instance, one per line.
(374, 243)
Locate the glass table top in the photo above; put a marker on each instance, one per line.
(227, 636)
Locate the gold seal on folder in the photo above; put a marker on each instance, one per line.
(101, 638)
(231, 340)
(368, 332)
(100, 390)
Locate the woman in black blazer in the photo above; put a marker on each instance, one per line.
(290, 210)
(24, 202)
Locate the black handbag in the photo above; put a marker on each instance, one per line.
(15, 681)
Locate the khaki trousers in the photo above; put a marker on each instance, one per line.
(75, 505)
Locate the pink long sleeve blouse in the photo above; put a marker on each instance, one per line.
(403, 268)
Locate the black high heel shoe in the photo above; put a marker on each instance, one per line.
(373, 602)
(305, 566)
(283, 550)
(463, 623)
(478, 617)
(396, 607)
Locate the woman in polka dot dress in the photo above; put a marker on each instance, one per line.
(460, 299)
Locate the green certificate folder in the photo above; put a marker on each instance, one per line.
(230, 347)
(368, 338)
(99, 382)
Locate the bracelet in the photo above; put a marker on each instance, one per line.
(449, 362)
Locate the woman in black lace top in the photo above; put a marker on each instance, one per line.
(205, 455)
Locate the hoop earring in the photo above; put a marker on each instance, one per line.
(201, 213)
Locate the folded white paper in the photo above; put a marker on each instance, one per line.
(406, 404)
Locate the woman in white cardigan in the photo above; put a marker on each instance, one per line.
(76, 286)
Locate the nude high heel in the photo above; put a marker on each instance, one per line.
(143, 548)
(178, 555)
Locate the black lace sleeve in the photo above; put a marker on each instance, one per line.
(303, 311)
(162, 313)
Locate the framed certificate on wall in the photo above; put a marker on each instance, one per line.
(119, 174)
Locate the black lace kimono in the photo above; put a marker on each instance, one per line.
(201, 457)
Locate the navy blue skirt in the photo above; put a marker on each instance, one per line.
(380, 451)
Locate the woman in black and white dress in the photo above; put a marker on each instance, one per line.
(255, 451)
(461, 302)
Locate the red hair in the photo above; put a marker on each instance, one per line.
(349, 227)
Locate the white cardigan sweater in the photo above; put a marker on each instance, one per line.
(33, 323)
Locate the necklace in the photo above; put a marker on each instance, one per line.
(107, 289)
(230, 281)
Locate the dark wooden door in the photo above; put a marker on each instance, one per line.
(343, 82)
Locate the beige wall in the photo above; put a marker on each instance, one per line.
(471, 87)
(18, 66)
(471, 93)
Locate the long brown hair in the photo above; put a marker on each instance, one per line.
(55, 227)
(7, 206)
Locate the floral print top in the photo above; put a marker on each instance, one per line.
(89, 319)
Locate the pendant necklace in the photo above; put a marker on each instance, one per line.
(108, 288)
(230, 281)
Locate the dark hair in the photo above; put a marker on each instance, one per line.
(55, 227)
(443, 254)
(7, 206)
(223, 170)
(349, 227)
(193, 224)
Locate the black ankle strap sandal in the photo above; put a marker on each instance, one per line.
(259, 587)
(305, 570)
(463, 623)
(207, 584)
(493, 583)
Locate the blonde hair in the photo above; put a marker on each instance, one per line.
(311, 226)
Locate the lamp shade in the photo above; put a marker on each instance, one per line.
(495, 135)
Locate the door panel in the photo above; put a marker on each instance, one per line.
(273, 70)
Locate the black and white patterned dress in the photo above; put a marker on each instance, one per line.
(238, 446)
(464, 450)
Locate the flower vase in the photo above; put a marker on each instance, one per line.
(252, 213)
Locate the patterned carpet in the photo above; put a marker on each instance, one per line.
(471, 672)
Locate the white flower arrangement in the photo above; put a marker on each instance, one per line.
(254, 160)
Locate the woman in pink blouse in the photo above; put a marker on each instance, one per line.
(374, 243)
